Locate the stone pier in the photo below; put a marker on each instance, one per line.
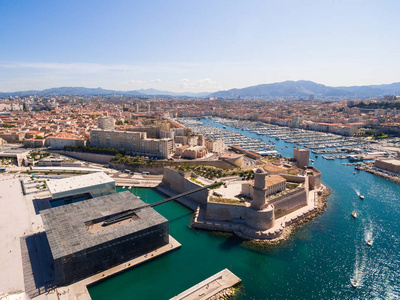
(210, 287)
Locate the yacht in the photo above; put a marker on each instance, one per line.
(354, 283)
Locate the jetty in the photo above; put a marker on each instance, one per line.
(215, 285)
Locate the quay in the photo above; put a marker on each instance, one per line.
(210, 287)
(369, 169)
(79, 290)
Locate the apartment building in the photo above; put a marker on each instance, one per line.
(217, 146)
(133, 142)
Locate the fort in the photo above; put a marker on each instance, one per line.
(280, 195)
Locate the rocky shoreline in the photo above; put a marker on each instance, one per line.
(378, 173)
(287, 231)
(226, 293)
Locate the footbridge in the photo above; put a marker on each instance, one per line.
(128, 214)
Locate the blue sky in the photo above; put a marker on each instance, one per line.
(196, 46)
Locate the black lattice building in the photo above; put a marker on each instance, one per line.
(91, 236)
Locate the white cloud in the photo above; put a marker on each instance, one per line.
(201, 85)
(141, 84)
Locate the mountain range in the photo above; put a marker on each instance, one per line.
(286, 89)
(303, 88)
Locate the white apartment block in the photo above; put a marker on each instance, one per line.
(217, 146)
(135, 143)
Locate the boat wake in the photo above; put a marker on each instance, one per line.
(368, 232)
(356, 190)
(359, 267)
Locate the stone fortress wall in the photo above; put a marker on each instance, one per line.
(244, 220)
(180, 182)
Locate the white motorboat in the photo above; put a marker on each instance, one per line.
(354, 283)
(370, 242)
(354, 214)
(361, 197)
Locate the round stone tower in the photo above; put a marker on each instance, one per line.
(260, 182)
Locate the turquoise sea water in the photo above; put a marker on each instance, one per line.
(316, 262)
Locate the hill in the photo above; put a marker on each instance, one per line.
(303, 88)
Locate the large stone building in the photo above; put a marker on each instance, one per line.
(106, 123)
(391, 165)
(82, 243)
(135, 143)
(59, 142)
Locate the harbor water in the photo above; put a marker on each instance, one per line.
(316, 262)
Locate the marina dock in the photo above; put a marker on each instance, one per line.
(210, 287)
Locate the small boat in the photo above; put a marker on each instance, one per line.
(354, 214)
(370, 242)
(354, 283)
(361, 197)
(354, 173)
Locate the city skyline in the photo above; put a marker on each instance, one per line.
(196, 47)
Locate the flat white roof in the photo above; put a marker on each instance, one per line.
(67, 169)
(78, 182)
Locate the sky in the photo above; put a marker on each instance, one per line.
(196, 46)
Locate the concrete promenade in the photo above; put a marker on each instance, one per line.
(209, 287)
(17, 218)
